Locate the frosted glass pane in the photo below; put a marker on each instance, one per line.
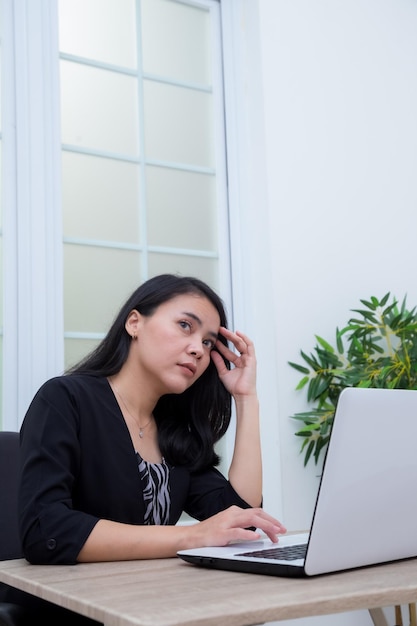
(97, 282)
(176, 41)
(1, 379)
(182, 209)
(76, 349)
(1, 82)
(205, 269)
(100, 198)
(1, 185)
(1, 283)
(178, 124)
(99, 109)
(103, 30)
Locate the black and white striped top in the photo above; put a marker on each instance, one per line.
(156, 493)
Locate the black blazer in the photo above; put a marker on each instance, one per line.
(79, 465)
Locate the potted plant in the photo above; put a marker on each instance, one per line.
(377, 348)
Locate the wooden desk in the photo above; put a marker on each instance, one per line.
(170, 592)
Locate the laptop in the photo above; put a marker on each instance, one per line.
(366, 508)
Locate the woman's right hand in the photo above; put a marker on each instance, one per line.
(114, 541)
(233, 524)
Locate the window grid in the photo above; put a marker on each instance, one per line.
(142, 161)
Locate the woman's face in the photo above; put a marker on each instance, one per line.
(173, 345)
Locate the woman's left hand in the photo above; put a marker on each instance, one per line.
(240, 380)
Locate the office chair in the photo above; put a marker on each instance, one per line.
(10, 614)
(26, 610)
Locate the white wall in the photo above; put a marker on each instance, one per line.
(339, 82)
(340, 110)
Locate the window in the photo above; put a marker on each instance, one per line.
(142, 151)
(115, 161)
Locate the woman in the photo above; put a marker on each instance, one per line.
(115, 450)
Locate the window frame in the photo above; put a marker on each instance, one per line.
(32, 254)
(251, 242)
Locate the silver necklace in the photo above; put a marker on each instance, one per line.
(141, 428)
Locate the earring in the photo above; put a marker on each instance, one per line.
(134, 336)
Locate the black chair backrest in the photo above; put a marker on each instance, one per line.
(10, 547)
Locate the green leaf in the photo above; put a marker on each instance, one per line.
(357, 344)
(327, 359)
(367, 315)
(390, 308)
(312, 416)
(300, 368)
(309, 452)
(370, 305)
(384, 299)
(320, 444)
(358, 323)
(317, 387)
(365, 384)
(324, 344)
(311, 361)
(339, 341)
(307, 430)
(307, 416)
(302, 383)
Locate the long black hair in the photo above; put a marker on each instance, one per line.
(190, 423)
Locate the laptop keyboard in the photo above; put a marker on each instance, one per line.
(285, 553)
